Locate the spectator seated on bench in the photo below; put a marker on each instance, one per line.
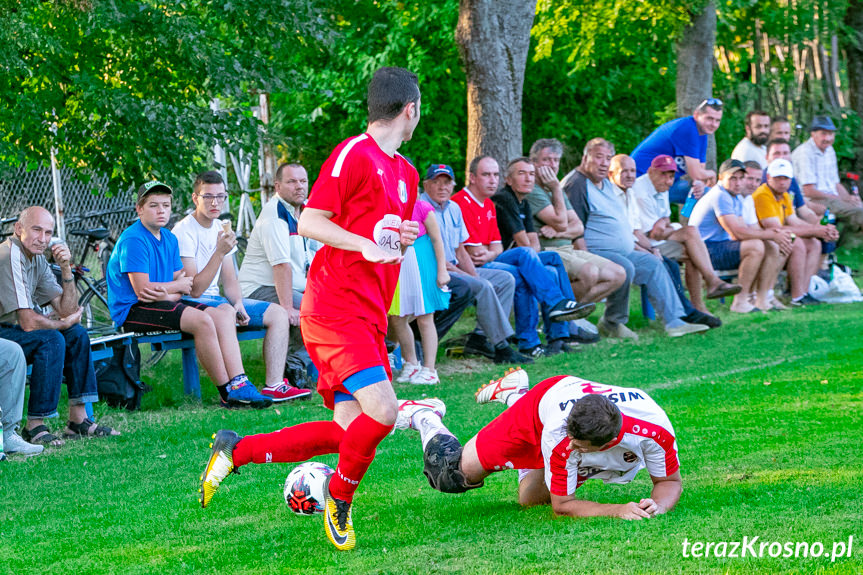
(146, 285)
(54, 347)
(278, 258)
(732, 242)
(206, 249)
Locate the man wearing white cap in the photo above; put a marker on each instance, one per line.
(775, 209)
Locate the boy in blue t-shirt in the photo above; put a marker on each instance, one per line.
(146, 285)
(685, 140)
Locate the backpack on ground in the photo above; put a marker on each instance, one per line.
(119, 378)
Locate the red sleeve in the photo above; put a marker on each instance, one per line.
(343, 173)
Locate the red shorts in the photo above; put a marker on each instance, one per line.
(341, 347)
(513, 439)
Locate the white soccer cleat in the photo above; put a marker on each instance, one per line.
(409, 407)
(513, 381)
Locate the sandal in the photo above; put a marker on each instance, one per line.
(41, 435)
(87, 428)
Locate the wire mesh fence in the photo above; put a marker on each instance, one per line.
(86, 205)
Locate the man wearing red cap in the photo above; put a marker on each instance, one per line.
(673, 241)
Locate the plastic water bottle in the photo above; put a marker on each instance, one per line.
(828, 218)
(689, 205)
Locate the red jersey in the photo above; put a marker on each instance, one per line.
(369, 194)
(479, 218)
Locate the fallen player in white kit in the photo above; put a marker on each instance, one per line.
(559, 434)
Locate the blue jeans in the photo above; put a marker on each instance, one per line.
(53, 355)
(538, 276)
(255, 308)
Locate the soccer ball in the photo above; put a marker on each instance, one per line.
(304, 488)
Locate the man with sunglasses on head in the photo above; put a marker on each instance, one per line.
(685, 140)
(207, 246)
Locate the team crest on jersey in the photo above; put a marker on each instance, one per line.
(387, 234)
(403, 191)
(629, 457)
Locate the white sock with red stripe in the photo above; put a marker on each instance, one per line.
(429, 424)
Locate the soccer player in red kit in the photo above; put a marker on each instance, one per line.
(558, 435)
(360, 208)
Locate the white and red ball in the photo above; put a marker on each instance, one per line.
(304, 488)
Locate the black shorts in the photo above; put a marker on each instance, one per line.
(158, 315)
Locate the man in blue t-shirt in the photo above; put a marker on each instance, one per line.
(757, 253)
(146, 285)
(685, 140)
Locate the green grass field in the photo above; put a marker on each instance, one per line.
(767, 412)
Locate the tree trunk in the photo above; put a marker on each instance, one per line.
(493, 38)
(695, 67)
(853, 45)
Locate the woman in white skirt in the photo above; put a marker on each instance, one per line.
(421, 291)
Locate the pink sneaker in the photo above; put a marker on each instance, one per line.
(285, 392)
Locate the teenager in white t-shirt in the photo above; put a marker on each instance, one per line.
(207, 246)
(559, 434)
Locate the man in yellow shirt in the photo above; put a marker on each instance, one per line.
(775, 209)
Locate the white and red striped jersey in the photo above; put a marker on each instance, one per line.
(646, 438)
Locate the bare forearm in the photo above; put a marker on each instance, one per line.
(202, 280)
(581, 508)
(313, 224)
(29, 320)
(284, 281)
(666, 494)
(69, 297)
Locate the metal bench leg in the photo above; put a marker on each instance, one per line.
(191, 375)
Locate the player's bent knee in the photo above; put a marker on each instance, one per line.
(442, 459)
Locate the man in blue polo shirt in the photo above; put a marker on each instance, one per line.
(685, 140)
(146, 285)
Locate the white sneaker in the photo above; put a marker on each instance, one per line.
(515, 380)
(426, 376)
(408, 371)
(409, 407)
(685, 329)
(13, 443)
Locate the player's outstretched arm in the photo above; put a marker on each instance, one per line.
(569, 505)
(665, 494)
(317, 225)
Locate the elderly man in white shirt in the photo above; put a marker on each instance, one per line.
(817, 172)
(683, 244)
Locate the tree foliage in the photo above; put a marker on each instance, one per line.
(123, 88)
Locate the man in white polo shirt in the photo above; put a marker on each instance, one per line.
(206, 247)
(672, 240)
(559, 434)
(278, 258)
(817, 172)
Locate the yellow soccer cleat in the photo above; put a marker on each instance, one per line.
(515, 380)
(220, 464)
(337, 521)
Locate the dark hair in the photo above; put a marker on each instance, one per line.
(278, 176)
(777, 142)
(595, 419)
(511, 165)
(543, 143)
(755, 113)
(390, 90)
(752, 164)
(474, 163)
(208, 177)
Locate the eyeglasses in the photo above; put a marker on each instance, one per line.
(712, 102)
(220, 199)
